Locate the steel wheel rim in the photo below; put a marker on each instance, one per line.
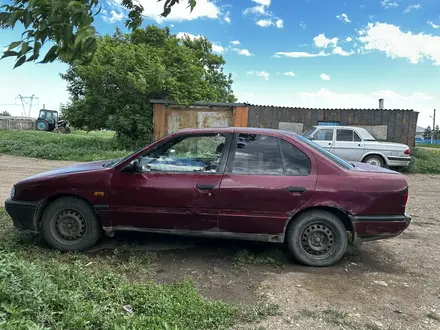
(41, 126)
(374, 161)
(318, 241)
(68, 227)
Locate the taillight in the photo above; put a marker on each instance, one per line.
(404, 198)
(408, 152)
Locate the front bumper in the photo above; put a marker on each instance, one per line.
(23, 214)
(375, 227)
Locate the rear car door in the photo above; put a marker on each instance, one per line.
(349, 145)
(265, 180)
(178, 187)
(325, 138)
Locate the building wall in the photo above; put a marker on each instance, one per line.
(16, 123)
(389, 125)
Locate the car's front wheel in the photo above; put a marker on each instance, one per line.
(317, 238)
(70, 224)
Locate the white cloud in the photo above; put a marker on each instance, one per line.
(183, 35)
(343, 17)
(435, 26)
(289, 74)
(299, 54)
(349, 39)
(325, 76)
(243, 52)
(265, 75)
(260, 8)
(409, 8)
(227, 17)
(115, 17)
(279, 23)
(340, 51)
(180, 11)
(235, 42)
(389, 4)
(391, 40)
(322, 42)
(302, 25)
(216, 48)
(264, 22)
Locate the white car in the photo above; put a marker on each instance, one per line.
(358, 145)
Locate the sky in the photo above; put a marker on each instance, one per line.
(309, 53)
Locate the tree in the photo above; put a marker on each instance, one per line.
(427, 134)
(436, 133)
(114, 89)
(68, 24)
(4, 113)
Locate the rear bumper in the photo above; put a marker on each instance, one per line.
(23, 214)
(398, 161)
(375, 227)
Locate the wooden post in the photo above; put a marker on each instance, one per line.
(241, 116)
(158, 121)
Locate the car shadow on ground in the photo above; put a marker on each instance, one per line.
(233, 270)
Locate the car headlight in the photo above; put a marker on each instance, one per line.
(12, 194)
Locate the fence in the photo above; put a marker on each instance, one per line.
(16, 123)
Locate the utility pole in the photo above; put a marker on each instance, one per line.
(433, 128)
(26, 100)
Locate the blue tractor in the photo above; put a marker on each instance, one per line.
(48, 121)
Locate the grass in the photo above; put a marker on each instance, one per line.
(434, 316)
(338, 318)
(44, 289)
(424, 161)
(275, 257)
(78, 146)
(424, 145)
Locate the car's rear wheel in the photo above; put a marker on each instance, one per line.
(374, 160)
(70, 224)
(317, 238)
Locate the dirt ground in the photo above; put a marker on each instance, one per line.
(390, 284)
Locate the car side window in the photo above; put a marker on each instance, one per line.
(356, 137)
(324, 135)
(344, 135)
(295, 161)
(196, 153)
(257, 154)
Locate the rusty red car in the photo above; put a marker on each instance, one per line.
(240, 183)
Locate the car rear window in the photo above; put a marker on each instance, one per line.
(339, 161)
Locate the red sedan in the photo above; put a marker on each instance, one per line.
(240, 183)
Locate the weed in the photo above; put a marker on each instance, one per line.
(273, 256)
(79, 146)
(434, 316)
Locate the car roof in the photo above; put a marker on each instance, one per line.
(249, 130)
(338, 127)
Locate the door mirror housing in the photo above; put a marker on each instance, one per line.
(133, 167)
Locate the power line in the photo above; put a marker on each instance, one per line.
(26, 100)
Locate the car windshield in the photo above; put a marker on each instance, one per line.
(339, 161)
(307, 133)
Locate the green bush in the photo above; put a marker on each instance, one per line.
(424, 161)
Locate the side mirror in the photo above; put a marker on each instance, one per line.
(133, 167)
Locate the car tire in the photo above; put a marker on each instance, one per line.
(374, 160)
(317, 238)
(70, 224)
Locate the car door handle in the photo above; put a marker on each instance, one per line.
(299, 190)
(205, 186)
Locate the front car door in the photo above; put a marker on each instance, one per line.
(177, 188)
(348, 145)
(324, 137)
(266, 179)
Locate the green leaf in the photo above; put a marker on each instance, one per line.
(14, 44)
(24, 47)
(27, 18)
(90, 45)
(20, 61)
(9, 53)
(51, 55)
(192, 4)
